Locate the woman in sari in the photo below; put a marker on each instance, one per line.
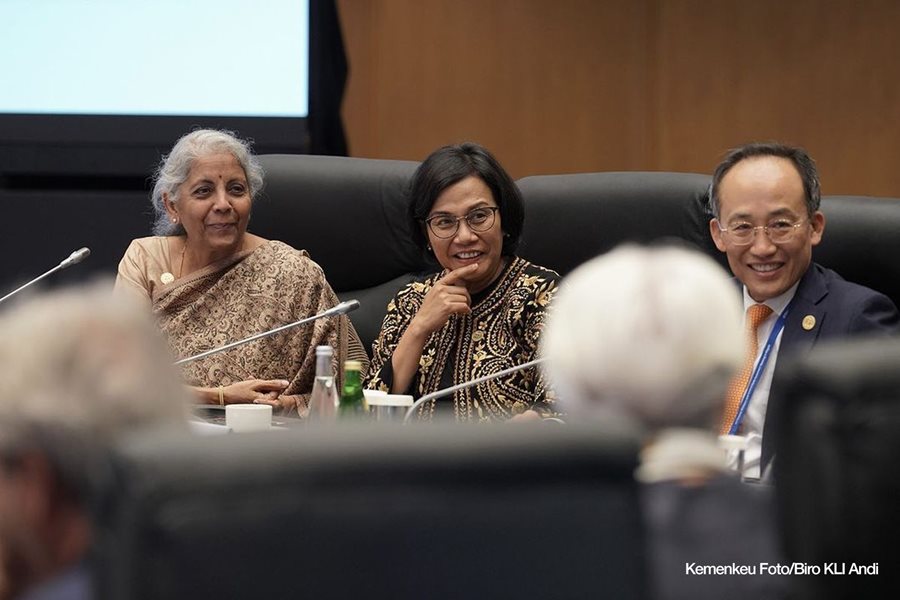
(483, 312)
(210, 282)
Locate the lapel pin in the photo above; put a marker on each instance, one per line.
(808, 322)
(167, 278)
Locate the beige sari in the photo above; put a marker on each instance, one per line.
(248, 293)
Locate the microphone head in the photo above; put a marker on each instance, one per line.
(76, 257)
(347, 306)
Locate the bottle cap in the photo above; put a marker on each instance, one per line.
(352, 365)
(326, 349)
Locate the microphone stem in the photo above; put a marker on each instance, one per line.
(461, 386)
(336, 310)
(33, 281)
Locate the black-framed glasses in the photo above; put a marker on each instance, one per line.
(479, 220)
(780, 231)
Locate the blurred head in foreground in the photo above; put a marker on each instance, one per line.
(77, 369)
(651, 334)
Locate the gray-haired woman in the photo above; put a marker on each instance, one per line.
(210, 281)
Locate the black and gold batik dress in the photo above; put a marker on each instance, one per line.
(501, 331)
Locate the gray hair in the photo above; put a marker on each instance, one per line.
(652, 334)
(175, 168)
(77, 369)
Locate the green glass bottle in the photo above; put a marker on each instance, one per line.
(353, 402)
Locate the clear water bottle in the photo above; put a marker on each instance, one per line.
(323, 402)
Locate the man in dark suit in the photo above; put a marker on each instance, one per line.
(765, 201)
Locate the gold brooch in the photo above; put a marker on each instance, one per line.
(808, 322)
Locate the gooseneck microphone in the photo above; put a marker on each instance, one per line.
(467, 384)
(73, 259)
(338, 309)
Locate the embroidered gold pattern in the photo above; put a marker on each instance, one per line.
(501, 331)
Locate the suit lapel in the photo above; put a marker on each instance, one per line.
(806, 307)
(802, 327)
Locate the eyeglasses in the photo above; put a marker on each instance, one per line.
(780, 231)
(478, 220)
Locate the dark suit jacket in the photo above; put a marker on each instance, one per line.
(841, 309)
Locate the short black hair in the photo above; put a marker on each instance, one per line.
(805, 165)
(449, 165)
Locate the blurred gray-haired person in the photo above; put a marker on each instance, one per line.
(77, 369)
(654, 335)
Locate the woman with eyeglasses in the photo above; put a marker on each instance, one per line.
(482, 311)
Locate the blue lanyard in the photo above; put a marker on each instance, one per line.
(758, 370)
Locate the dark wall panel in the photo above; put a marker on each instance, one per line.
(41, 228)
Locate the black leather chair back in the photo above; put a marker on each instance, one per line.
(862, 241)
(570, 219)
(350, 215)
(374, 512)
(836, 472)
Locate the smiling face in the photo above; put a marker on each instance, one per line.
(466, 246)
(757, 191)
(213, 205)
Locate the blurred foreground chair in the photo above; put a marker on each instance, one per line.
(837, 475)
(501, 512)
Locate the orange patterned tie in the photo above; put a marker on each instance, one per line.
(756, 314)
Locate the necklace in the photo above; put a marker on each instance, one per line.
(167, 277)
(181, 266)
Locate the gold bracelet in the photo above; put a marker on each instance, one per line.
(221, 396)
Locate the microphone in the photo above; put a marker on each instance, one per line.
(74, 258)
(337, 309)
(468, 384)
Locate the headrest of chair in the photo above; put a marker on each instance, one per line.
(349, 213)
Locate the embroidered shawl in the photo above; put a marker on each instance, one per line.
(248, 293)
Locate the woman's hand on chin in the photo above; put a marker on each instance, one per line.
(448, 296)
